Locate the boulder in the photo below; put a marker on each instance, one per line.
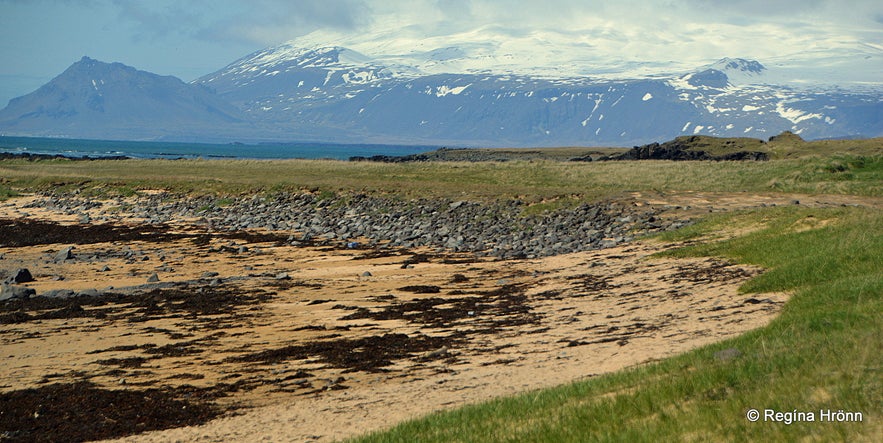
(59, 293)
(9, 292)
(65, 254)
(21, 276)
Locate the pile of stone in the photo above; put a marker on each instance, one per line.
(498, 228)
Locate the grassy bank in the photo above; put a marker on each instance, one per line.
(822, 353)
(844, 174)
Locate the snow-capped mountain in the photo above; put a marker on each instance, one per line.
(93, 99)
(596, 52)
(339, 94)
(477, 88)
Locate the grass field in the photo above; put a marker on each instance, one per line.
(531, 180)
(823, 352)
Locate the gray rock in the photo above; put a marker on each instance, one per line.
(59, 293)
(89, 293)
(367, 274)
(209, 274)
(9, 292)
(104, 268)
(153, 278)
(21, 276)
(65, 254)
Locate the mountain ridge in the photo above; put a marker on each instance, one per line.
(331, 93)
(110, 100)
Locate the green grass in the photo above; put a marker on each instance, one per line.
(823, 352)
(6, 192)
(535, 181)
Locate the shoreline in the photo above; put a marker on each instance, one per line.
(274, 337)
(373, 323)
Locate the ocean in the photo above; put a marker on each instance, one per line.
(174, 150)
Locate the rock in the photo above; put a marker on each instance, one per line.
(65, 254)
(21, 276)
(366, 274)
(459, 278)
(209, 274)
(59, 293)
(104, 268)
(441, 352)
(283, 276)
(89, 293)
(153, 278)
(9, 292)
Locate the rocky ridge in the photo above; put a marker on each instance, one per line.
(504, 229)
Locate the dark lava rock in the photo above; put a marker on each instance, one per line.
(59, 293)
(89, 293)
(21, 276)
(683, 148)
(421, 289)
(9, 292)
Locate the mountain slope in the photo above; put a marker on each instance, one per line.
(334, 93)
(92, 99)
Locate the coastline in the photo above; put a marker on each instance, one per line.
(285, 335)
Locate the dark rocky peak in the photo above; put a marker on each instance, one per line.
(711, 78)
(739, 64)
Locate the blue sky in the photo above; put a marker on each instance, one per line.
(40, 38)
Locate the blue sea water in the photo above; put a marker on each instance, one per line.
(174, 150)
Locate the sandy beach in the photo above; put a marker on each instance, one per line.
(315, 342)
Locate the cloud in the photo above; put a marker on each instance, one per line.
(268, 22)
(157, 20)
(273, 21)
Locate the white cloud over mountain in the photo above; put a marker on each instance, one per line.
(600, 36)
(188, 39)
